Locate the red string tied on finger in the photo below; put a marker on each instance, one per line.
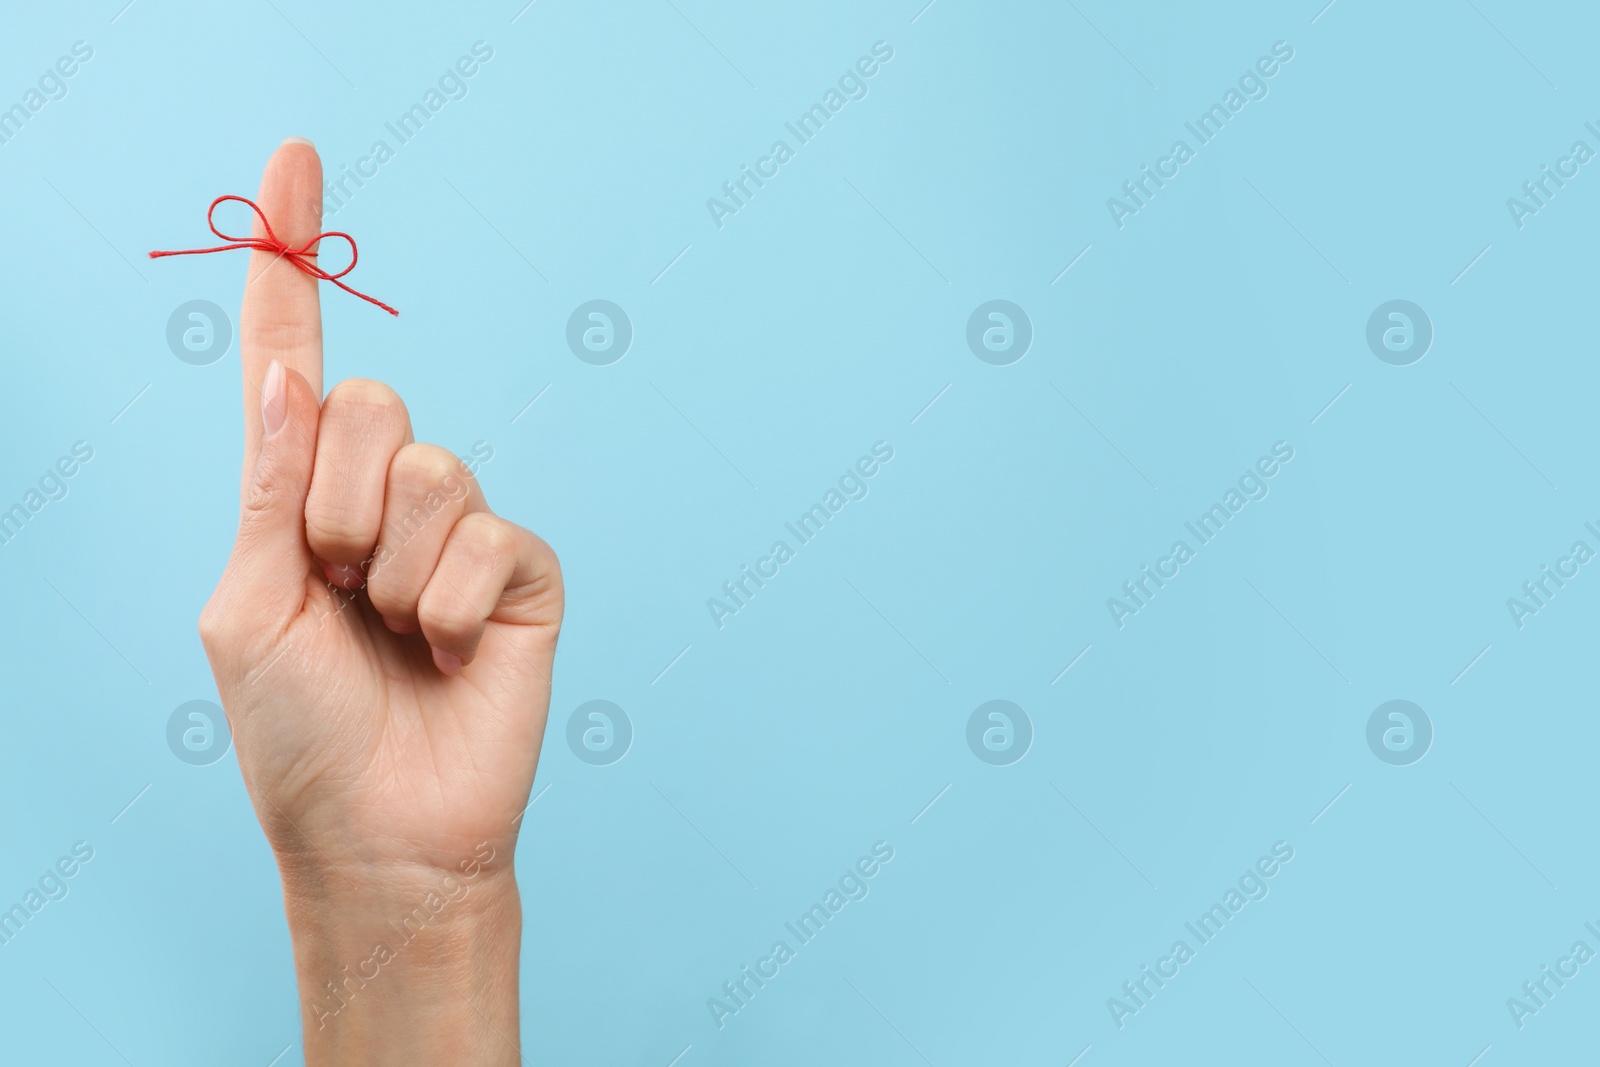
(303, 258)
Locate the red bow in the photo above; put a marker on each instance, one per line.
(301, 257)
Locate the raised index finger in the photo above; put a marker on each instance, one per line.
(281, 318)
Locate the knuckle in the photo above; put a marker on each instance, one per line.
(432, 468)
(488, 534)
(547, 567)
(275, 332)
(214, 625)
(269, 485)
(550, 562)
(226, 631)
(549, 580)
(260, 498)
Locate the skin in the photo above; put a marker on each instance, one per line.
(387, 729)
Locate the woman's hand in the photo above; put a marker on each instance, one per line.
(382, 643)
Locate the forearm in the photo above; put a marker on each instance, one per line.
(408, 967)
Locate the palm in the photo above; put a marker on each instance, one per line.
(371, 742)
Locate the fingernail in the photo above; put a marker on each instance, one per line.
(299, 140)
(343, 575)
(447, 662)
(274, 399)
(399, 626)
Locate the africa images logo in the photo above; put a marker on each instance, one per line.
(851, 887)
(852, 85)
(1252, 86)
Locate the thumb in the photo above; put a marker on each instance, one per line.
(271, 558)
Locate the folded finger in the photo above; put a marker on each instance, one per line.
(364, 424)
(428, 490)
(478, 563)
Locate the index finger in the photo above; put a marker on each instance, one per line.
(282, 318)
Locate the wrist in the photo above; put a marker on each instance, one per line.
(407, 963)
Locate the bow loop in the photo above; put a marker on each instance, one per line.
(351, 241)
(303, 258)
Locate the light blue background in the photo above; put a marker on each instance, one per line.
(825, 316)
